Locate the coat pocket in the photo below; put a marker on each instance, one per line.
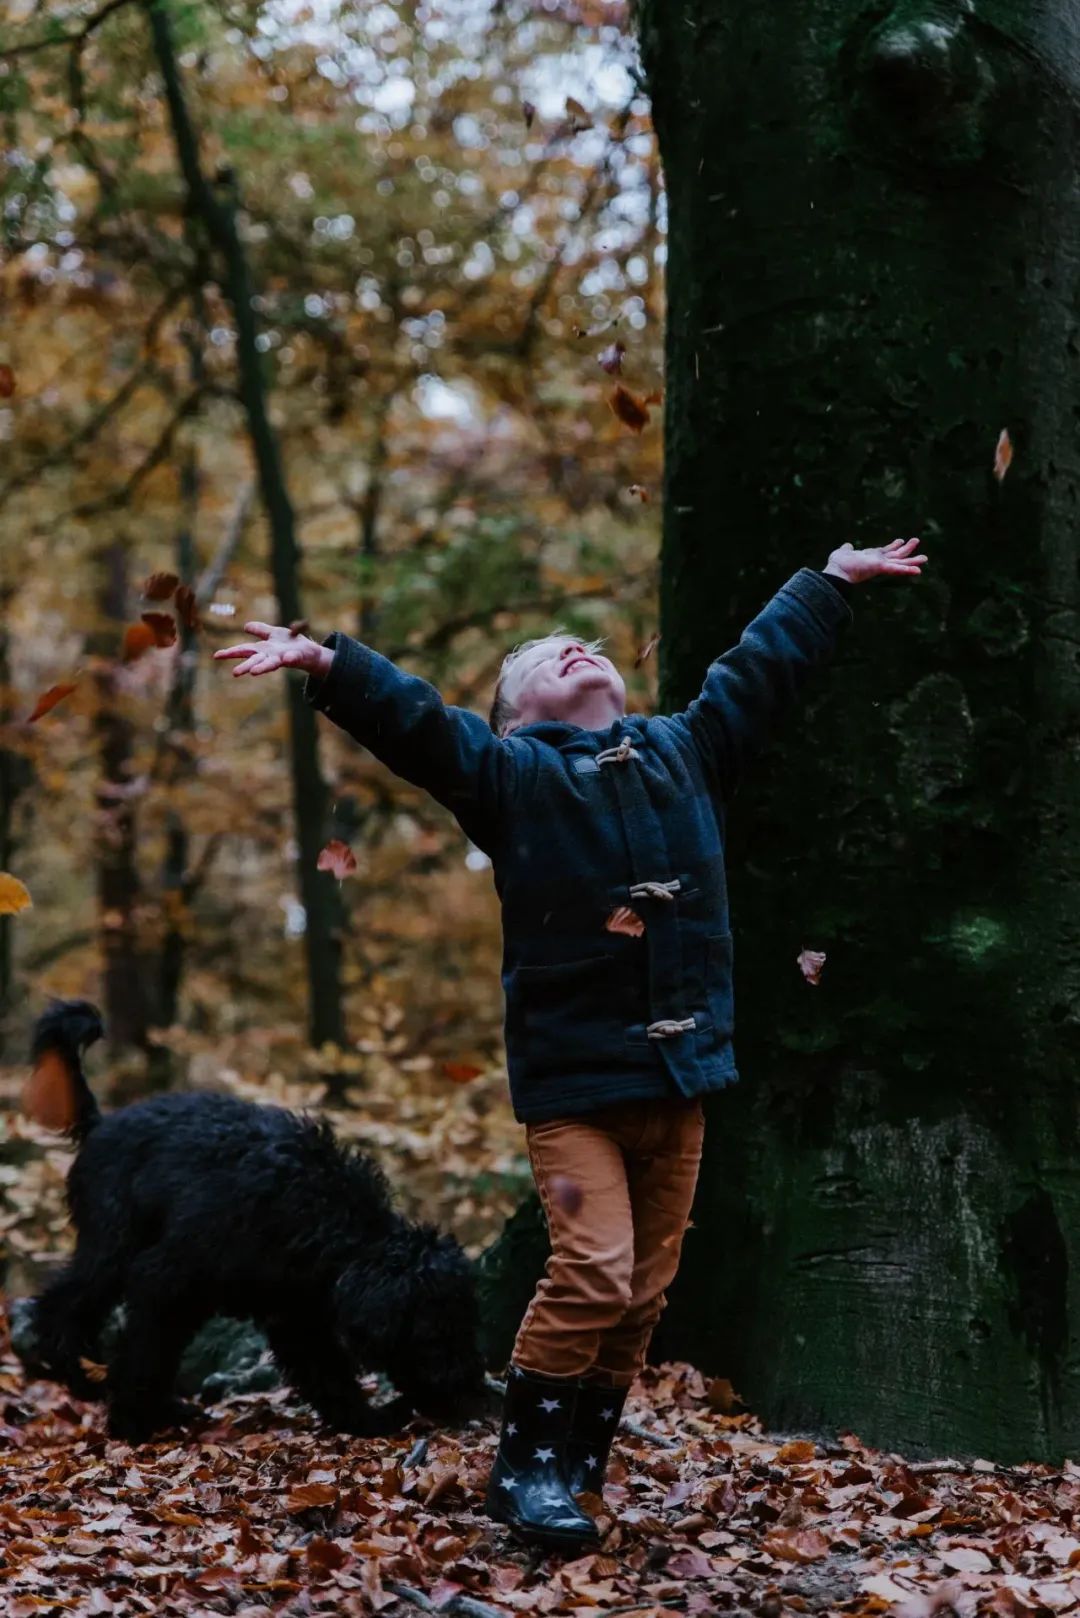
(719, 993)
(564, 1017)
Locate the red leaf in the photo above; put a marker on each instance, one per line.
(1003, 454)
(138, 638)
(461, 1072)
(337, 858)
(610, 358)
(631, 410)
(7, 381)
(162, 625)
(48, 700)
(160, 586)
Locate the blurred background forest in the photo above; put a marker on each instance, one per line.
(452, 222)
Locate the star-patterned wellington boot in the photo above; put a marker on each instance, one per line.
(527, 1489)
(597, 1412)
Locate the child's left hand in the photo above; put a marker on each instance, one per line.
(855, 566)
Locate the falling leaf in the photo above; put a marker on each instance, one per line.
(48, 700)
(528, 112)
(610, 358)
(13, 895)
(162, 625)
(638, 491)
(631, 410)
(810, 963)
(309, 1496)
(7, 381)
(461, 1072)
(299, 626)
(625, 920)
(138, 638)
(94, 1371)
(576, 115)
(721, 1396)
(337, 858)
(50, 1095)
(187, 607)
(566, 1193)
(160, 586)
(1003, 454)
(647, 650)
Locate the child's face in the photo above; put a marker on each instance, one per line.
(564, 681)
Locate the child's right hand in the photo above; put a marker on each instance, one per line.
(278, 648)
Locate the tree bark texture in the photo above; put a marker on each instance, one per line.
(215, 206)
(874, 265)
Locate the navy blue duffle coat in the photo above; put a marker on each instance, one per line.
(578, 823)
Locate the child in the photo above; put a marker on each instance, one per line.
(606, 836)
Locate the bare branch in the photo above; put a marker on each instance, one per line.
(73, 37)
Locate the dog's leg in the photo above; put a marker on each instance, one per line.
(68, 1318)
(317, 1367)
(160, 1324)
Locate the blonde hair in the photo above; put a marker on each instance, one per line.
(502, 710)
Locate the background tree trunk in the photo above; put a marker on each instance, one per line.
(873, 269)
(216, 207)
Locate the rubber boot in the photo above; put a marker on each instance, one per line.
(527, 1488)
(597, 1412)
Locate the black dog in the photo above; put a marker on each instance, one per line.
(187, 1206)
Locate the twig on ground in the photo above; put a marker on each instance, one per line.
(627, 1426)
(466, 1606)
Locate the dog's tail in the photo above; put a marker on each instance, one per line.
(57, 1095)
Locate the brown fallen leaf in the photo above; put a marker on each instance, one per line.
(325, 1555)
(810, 962)
(625, 920)
(309, 1496)
(610, 358)
(796, 1544)
(631, 410)
(94, 1371)
(337, 858)
(14, 896)
(647, 650)
(160, 586)
(7, 381)
(162, 625)
(49, 1095)
(801, 1449)
(138, 638)
(187, 607)
(1003, 454)
(48, 700)
(566, 1193)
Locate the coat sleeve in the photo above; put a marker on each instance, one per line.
(750, 688)
(403, 720)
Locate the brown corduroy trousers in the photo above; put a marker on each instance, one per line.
(617, 1186)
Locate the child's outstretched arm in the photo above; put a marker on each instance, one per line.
(749, 688)
(402, 719)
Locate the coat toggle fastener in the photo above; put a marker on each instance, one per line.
(668, 1026)
(618, 755)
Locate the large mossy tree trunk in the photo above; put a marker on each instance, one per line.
(874, 267)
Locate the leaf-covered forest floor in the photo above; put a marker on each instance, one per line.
(259, 1509)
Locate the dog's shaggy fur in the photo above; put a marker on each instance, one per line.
(187, 1206)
